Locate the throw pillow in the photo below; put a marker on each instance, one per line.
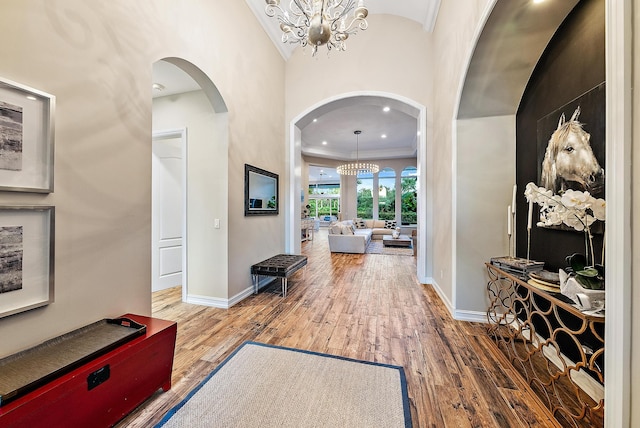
(389, 224)
(360, 224)
(335, 229)
(346, 229)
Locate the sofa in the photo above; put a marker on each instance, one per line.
(353, 236)
(379, 228)
(344, 237)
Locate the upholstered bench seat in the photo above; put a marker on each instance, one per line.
(280, 266)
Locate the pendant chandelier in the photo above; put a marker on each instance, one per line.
(319, 22)
(357, 167)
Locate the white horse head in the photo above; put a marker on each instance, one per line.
(569, 159)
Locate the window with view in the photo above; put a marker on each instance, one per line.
(387, 194)
(365, 195)
(409, 209)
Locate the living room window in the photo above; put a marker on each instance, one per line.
(365, 195)
(387, 194)
(409, 204)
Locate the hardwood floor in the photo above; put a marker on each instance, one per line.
(368, 307)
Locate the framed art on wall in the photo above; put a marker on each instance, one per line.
(26, 138)
(26, 258)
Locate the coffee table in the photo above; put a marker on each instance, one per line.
(400, 241)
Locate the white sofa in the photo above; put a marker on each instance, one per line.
(353, 236)
(345, 238)
(379, 228)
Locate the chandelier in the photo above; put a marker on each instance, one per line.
(319, 22)
(357, 167)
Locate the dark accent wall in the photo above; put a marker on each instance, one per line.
(572, 64)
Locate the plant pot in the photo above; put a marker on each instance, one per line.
(585, 298)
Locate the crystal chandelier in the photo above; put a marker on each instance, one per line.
(319, 22)
(357, 167)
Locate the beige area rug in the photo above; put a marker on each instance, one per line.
(377, 247)
(262, 385)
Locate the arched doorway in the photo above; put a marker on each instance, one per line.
(424, 171)
(188, 111)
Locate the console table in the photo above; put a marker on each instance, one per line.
(307, 226)
(558, 349)
(104, 389)
(281, 266)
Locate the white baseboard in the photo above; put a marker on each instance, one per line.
(471, 316)
(217, 302)
(443, 297)
(214, 302)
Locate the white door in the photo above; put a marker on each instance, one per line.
(167, 211)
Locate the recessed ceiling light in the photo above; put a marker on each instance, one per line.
(324, 143)
(383, 136)
(158, 87)
(538, 1)
(386, 109)
(315, 120)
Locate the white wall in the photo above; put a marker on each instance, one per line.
(451, 51)
(485, 175)
(96, 58)
(207, 191)
(635, 228)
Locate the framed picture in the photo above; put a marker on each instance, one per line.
(26, 138)
(26, 258)
(582, 148)
(571, 148)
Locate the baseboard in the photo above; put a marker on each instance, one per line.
(471, 316)
(460, 315)
(442, 296)
(214, 302)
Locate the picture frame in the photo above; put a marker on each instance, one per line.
(26, 138)
(26, 258)
(261, 194)
(590, 107)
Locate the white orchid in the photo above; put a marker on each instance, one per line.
(573, 208)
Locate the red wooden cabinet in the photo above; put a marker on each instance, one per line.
(104, 390)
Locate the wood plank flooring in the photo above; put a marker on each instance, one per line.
(369, 307)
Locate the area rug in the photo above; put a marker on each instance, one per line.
(377, 247)
(263, 385)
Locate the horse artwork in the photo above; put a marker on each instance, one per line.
(569, 161)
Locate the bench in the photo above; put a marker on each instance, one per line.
(281, 266)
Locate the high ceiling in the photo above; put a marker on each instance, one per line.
(423, 12)
(391, 134)
(520, 23)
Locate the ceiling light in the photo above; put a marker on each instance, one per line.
(357, 167)
(315, 120)
(324, 143)
(383, 136)
(319, 22)
(386, 109)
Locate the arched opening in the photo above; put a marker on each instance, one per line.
(487, 107)
(189, 111)
(348, 187)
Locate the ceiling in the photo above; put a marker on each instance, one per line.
(494, 58)
(424, 12)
